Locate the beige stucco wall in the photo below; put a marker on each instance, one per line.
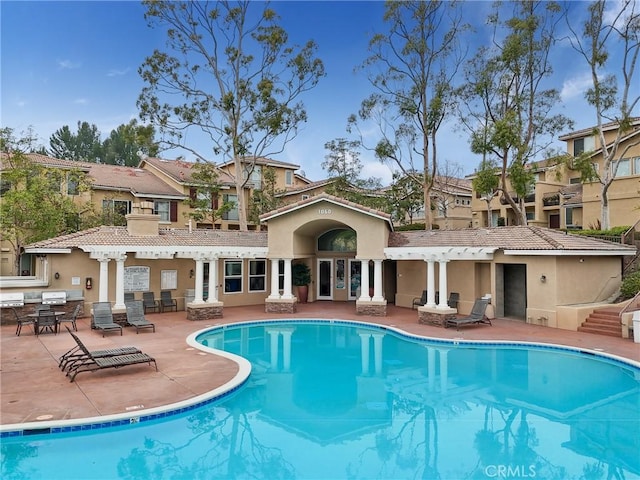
(314, 219)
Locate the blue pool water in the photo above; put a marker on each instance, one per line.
(345, 401)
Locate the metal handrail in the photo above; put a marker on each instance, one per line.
(634, 302)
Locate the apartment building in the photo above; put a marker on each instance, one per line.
(560, 200)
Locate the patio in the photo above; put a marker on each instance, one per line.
(34, 389)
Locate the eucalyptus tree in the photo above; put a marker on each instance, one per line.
(486, 182)
(36, 203)
(609, 44)
(412, 68)
(230, 72)
(507, 104)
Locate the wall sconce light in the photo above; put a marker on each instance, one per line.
(543, 278)
(582, 260)
(57, 276)
(191, 273)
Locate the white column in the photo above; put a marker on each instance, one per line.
(431, 293)
(444, 296)
(364, 350)
(444, 370)
(103, 295)
(364, 281)
(199, 282)
(120, 281)
(275, 273)
(377, 352)
(213, 281)
(377, 281)
(287, 292)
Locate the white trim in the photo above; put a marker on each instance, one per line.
(439, 253)
(571, 253)
(318, 199)
(47, 250)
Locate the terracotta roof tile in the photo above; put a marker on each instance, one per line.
(181, 170)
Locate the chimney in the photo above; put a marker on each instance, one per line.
(141, 221)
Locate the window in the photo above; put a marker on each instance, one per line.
(162, 208)
(305, 197)
(114, 211)
(232, 214)
(568, 216)
(233, 276)
(281, 274)
(72, 185)
(623, 168)
(636, 166)
(585, 144)
(257, 275)
(255, 177)
(288, 177)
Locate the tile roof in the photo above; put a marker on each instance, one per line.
(181, 171)
(113, 177)
(635, 122)
(505, 238)
(268, 162)
(120, 237)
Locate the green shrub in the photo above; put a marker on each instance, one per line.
(613, 232)
(631, 285)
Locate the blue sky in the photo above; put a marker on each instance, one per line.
(64, 62)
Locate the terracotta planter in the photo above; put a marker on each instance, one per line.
(303, 293)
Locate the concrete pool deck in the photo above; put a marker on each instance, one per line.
(34, 389)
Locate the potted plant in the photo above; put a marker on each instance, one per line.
(301, 278)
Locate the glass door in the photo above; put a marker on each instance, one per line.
(325, 279)
(355, 267)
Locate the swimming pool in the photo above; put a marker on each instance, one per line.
(333, 399)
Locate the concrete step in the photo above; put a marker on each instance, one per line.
(601, 331)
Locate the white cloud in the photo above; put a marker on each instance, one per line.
(377, 170)
(81, 101)
(68, 65)
(117, 73)
(576, 86)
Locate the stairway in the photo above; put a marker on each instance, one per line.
(603, 321)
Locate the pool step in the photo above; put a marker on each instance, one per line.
(603, 321)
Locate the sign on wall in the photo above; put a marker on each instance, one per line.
(169, 279)
(136, 279)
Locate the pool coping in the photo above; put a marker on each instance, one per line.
(244, 370)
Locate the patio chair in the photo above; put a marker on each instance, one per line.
(420, 301)
(72, 318)
(129, 297)
(103, 318)
(77, 353)
(135, 316)
(149, 302)
(477, 315)
(454, 298)
(21, 321)
(46, 322)
(42, 308)
(91, 363)
(166, 302)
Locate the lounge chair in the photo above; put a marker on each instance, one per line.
(166, 302)
(477, 315)
(77, 353)
(129, 297)
(72, 318)
(454, 298)
(135, 316)
(149, 302)
(91, 363)
(421, 301)
(22, 321)
(103, 318)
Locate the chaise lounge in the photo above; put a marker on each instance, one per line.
(91, 363)
(77, 353)
(135, 316)
(477, 315)
(103, 318)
